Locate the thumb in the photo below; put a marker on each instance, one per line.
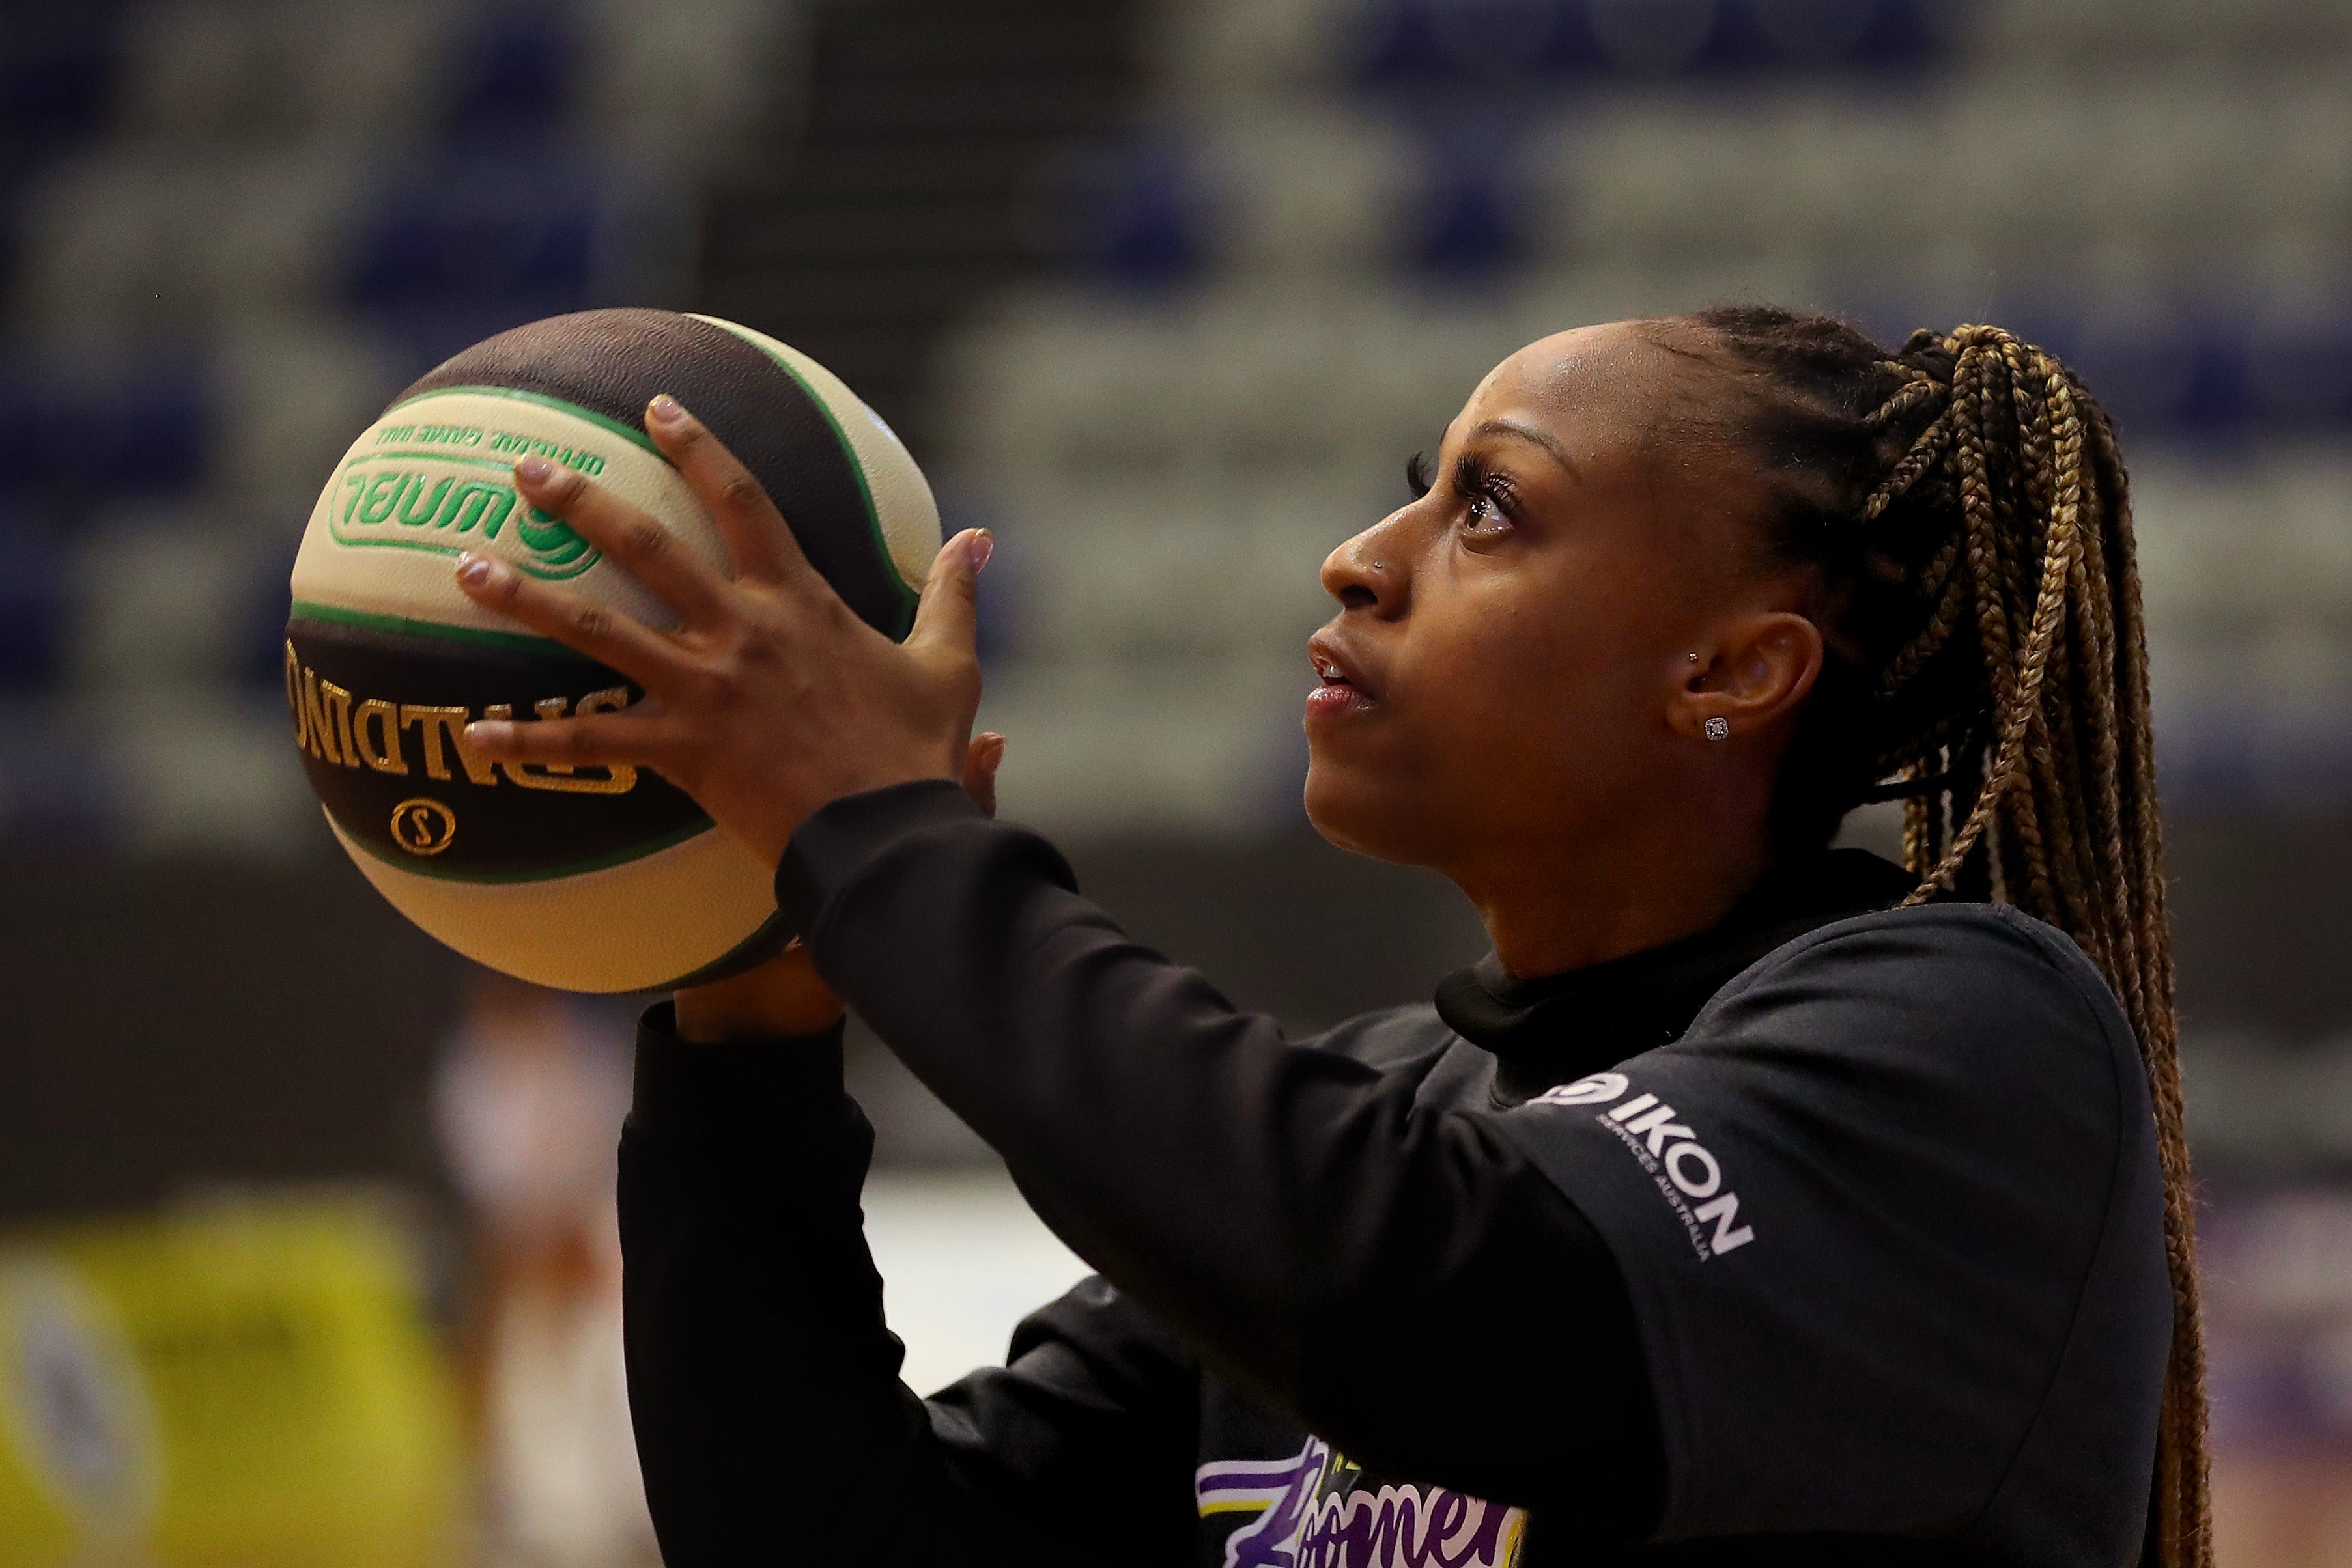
(981, 762)
(946, 619)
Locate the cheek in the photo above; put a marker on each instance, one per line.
(1514, 669)
(1535, 706)
(1515, 706)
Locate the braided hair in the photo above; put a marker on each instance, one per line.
(1964, 505)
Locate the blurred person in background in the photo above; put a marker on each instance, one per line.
(530, 1098)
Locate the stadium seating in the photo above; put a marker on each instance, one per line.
(1371, 200)
(35, 600)
(229, 229)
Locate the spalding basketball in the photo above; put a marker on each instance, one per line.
(590, 879)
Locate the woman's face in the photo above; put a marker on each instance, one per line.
(1497, 681)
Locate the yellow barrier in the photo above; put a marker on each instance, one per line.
(246, 1386)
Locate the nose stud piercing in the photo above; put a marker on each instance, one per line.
(1718, 728)
(1692, 657)
(1376, 566)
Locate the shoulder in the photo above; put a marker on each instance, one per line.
(1980, 983)
(1927, 1050)
(1946, 935)
(1857, 1206)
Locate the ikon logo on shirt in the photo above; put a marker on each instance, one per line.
(1686, 1172)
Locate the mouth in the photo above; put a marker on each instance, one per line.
(1338, 691)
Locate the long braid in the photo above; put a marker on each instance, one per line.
(1966, 505)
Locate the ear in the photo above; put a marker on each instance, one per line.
(1754, 674)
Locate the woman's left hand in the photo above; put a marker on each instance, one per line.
(772, 698)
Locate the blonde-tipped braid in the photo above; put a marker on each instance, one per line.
(1966, 503)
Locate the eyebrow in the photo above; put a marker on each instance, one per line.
(1529, 433)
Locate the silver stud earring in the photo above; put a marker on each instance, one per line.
(1718, 728)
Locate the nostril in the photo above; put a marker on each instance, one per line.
(1356, 596)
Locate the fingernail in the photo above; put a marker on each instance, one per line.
(982, 546)
(489, 732)
(666, 410)
(474, 570)
(534, 470)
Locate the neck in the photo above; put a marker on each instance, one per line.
(1607, 893)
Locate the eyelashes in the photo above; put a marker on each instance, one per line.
(1488, 489)
(1416, 475)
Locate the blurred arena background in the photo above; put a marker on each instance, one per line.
(303, 1258)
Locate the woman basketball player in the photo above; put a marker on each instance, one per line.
(1753, 1203)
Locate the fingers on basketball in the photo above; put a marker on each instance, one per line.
(608, 635)
(630, 537)
(947, 619)
(594, 740)
(759, 541)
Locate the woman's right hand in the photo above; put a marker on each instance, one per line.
(784, 996)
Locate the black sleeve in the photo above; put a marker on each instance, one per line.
(1400, 1279)
(772, 1425)
(1891, 1217)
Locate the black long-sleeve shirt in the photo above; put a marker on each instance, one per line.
(1830, 1232)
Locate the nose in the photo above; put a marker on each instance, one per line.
(1370, 571)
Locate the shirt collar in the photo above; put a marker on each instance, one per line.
(1561, 1027)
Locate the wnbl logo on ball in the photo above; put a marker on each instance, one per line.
(428, 486)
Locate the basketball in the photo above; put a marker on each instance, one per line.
(587, 879)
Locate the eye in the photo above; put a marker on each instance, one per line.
(1490, 496)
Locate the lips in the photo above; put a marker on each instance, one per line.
(1340, 689)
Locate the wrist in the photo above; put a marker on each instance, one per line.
(781, 999)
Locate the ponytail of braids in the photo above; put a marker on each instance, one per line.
(1966, 509)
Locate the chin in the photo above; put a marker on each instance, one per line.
(1355, 813)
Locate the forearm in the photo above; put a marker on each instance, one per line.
(1287, 1211)
(762, 1381)
(1115, 1084)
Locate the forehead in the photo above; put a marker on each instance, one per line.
(1641, 407)
(1610, 378)
(1633, 406)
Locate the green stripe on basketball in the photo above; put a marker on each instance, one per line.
(634, 433)
(432, 867)
(437, 631)
(768, 940)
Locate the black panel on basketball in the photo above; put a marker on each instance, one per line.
(613, 363)
(381, 715)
